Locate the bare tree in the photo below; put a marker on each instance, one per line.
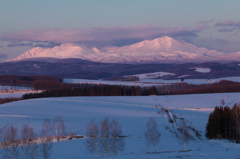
(152, 133)
(29, 145)
(93, 137)
(111, 137)
(45, 149)
(105, 132)
(47, 128)
(10, 143)
(116, 139)
(59, 127)
(46, 139)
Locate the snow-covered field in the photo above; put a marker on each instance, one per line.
(14, 87)
(132, 113)
(201, 70)
(15, 91)
(150, 82)
(153, 75)
(89, 81)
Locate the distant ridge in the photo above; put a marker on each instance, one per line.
(160, 50)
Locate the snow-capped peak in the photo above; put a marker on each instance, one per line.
(96, 50)
(67, 50)
(164, 49)
(163, 41)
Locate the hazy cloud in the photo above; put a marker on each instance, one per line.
(2, 44)
(220, 44)
(118, 36)
(204, 24)
(228, 23)
(228, 26)
(3, 56)
(101, 37)
(33, 44)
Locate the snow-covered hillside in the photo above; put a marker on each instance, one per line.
(164, 49)
(132, 113)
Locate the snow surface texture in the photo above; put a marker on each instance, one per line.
(145, 81)
(132, 113)
(202, 70)
(14, 88)
(153, 75)
(15, 91)
(163, 49)
(10, 95)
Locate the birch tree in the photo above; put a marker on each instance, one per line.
(59, 127)
(46, 140)
(29, 146)
(152, 133)
(105, 140)
(109, 141)
(10, 143)
(92, 141)
(116, 138)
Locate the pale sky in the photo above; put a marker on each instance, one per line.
(24, 24)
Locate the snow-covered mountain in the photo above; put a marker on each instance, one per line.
(63, 51)
(164, 49)
(234, 56)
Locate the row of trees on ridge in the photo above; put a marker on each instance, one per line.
(29, 145)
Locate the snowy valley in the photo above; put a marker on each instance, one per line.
(132, 113)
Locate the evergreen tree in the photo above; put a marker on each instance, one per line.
(224, 122)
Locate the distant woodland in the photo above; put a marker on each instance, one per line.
(223, 86)
(109, 90)
(54, 87)
(27, 81)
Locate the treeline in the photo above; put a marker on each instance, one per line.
(64, 90)
(223, 86)
(9, 99)
(55, 83)
(224, 123)
(28, 81)
(94, 90)
(27, 144)
(50, 85)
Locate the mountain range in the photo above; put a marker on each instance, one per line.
(160, 50)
